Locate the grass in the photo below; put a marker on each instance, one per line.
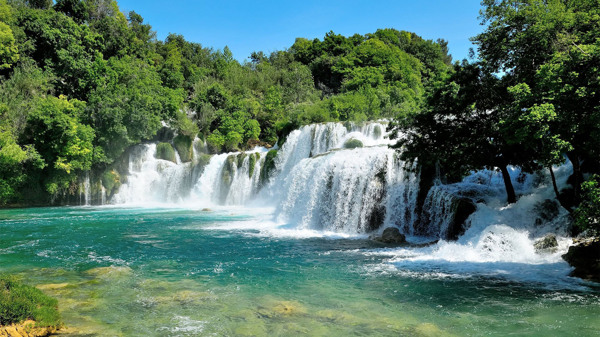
(19, 302)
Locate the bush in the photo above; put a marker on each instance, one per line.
(183, 145)
(19, 302)
(587, 215)
(352, 143)
(165, 151)
(111, 179)
(215, 142)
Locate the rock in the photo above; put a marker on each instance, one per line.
(547, 244)
(353, 143)
(585, 257)
(184, 146)
(206, 210)
(52, 286)
(546, 211)
(110, 272)
(391, 235)
(25, 329)
(464, 208)
(165, 151)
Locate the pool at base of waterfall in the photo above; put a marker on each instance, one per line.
(231, 271)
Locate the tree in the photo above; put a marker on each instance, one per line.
(76, 9)
(587, 215)
(553, 47)
(129, 105)
(9, 51)
(55, 130)
(460, 128)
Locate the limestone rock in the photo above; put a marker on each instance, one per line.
(585, 257)
(547, 244)
(25, 329)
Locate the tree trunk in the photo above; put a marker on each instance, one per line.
(558, 197)
(510, 190)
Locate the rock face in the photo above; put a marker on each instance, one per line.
(547, 244)
(464, 208)
(585, 257)
(391, 235)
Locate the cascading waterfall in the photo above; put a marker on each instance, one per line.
(315, 182)
(348, 191)
(154, 180)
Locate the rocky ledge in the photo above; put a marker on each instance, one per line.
(584, 255)
(25, 329)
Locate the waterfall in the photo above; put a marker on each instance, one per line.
(85, 191)
(154, 180)
(318, 181)
(348, 191)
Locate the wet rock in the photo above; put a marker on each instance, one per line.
(546, 211)
(464, 208)
(547, 244)
(390, 235)
(184, 146)
(206, 210)
(584, 255)
(165, 151)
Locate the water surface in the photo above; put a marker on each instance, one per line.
(229, 272)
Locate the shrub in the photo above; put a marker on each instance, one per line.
(353, 143)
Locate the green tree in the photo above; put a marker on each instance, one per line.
(54, 129)
(587, 215)
(551, 46)
(129, 105)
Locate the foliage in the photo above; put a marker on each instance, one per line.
(55, 130)
(165, 151)
(587, 215)
(183, 144)
(80, 82)
(19, 302)
(353, 143)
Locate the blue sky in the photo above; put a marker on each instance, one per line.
(247, 26)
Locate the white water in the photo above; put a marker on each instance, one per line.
(319, 187)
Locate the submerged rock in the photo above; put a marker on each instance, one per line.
(585, 257)
(391, 235)
(547, 244)
(110, 272)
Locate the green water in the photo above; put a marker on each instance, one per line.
(177, 272)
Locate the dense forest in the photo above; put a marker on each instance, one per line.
(81, 82)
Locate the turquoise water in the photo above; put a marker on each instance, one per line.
(228, 272)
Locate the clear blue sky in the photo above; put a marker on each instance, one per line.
(247, 26)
